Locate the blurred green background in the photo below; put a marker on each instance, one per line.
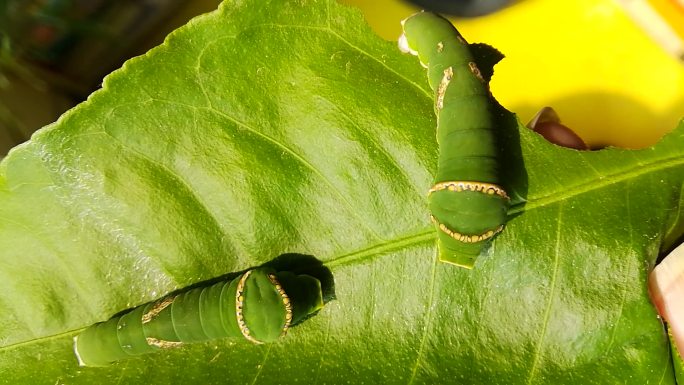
(54, 53)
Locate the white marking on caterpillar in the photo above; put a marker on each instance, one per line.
(157, 308)
(441, 89)
(404, 45)
(162, 344)
(78, 355)
(475, 71)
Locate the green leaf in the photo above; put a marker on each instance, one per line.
(677, 360)
(272, 127)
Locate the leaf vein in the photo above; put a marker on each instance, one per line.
(263, 363)
(552, 289)
(428, 320)
(676, 219)
(306, 164)
(373, 140)
(192, 193)
(608, 180)
(334, 33)
(624, 288)
(422, 236)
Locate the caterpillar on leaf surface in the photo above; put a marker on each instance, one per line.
(259, 305)
(467, 203)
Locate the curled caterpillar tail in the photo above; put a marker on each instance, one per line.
(467, 203)
(260, 306)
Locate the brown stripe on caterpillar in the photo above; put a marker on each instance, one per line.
(157, 308)
(162, 344)
(476, 71)
(441, 89)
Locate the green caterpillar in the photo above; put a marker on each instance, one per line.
(260, 306)
(467, 204)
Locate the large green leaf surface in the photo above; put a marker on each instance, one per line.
(273, 127)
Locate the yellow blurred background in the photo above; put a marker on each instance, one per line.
(607, 78)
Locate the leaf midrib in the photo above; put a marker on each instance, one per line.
(606, 180)
(426, 233)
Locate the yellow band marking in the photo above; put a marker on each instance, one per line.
(464, 237)
(286, 302)
(239, 303)
(464, 185)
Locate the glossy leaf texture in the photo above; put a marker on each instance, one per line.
(272, 127)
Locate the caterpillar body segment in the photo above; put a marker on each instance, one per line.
(467, 204)
(260, 306)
